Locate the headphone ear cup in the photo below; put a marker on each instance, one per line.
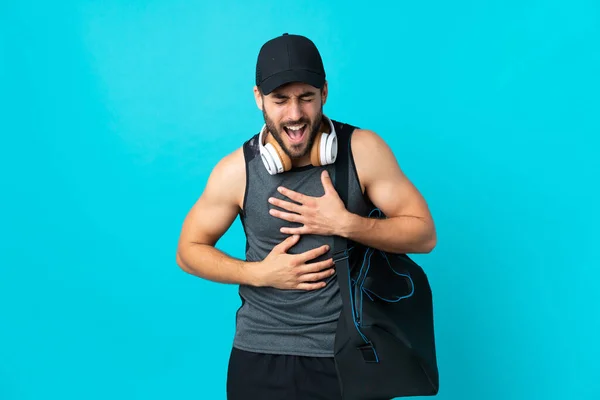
(328, 148)
(270, 159)
(281, 158)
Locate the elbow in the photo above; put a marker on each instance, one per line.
(179, 261)
(430, 243)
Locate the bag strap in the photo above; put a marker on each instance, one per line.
(340, 244)
(340, 250)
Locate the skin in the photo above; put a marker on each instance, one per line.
(408, 228)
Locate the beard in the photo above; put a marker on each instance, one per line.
(296, 150)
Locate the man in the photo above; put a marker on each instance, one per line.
(280, 184)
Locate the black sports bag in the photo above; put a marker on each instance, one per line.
(384, 344)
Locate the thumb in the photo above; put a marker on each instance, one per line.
(327, 183)
(288, 243)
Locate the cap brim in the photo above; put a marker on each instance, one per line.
(284, 77)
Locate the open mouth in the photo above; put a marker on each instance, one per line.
(295, 133)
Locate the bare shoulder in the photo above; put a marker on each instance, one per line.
(366, 138)
(372, 156)
(227, 180)
(384, 182)
(218, 205)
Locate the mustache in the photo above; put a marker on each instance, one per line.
(298, 122)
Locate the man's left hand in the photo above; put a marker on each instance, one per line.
(323, 215)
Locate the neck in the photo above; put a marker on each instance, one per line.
(301, 162)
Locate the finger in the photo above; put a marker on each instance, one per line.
(317, 277)
(303, 230)
(286, 216)
(285, 205)
(299, 197)
(311, 286)
(287, 244)
(317, 267)
(327, 183)
(313, 253)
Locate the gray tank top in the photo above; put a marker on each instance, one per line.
(295, 322)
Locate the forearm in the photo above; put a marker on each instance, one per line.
(405, 234)
(207, 262)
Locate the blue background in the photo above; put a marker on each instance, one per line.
(114, 112)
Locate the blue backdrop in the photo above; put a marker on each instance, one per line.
(114, 112)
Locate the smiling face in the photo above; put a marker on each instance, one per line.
(293, 115)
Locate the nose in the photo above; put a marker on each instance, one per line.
(295, 111)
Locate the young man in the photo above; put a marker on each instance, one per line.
(280, 184)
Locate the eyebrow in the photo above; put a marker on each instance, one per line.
(278, 95)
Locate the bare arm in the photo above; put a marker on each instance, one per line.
(213, 214)
(209, 218)
(409, 226)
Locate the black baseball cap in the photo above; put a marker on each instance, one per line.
(289, 58)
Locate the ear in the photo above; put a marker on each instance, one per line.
(325, 92)
(258, 98)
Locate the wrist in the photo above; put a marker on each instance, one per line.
(347, 225)
(249, 274)
(356, 227)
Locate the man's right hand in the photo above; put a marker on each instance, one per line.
(291, 271)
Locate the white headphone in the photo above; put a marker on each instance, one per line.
(323, 152)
